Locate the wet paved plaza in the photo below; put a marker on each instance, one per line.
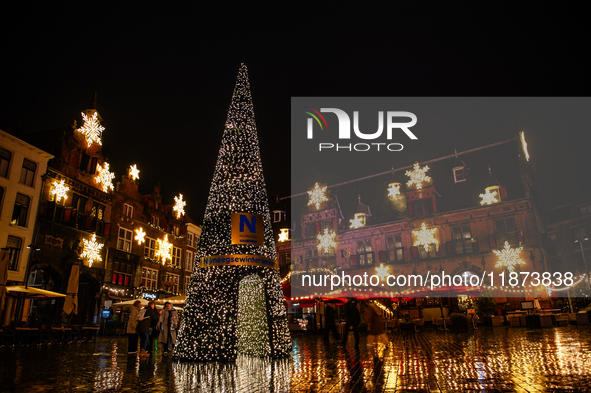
(489, 359)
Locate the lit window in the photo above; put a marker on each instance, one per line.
(21, 210)
(122, 274)
(155, 221)
(459, 174)
(190, 239)
(505, 230)
(124, 240)
(189, 261)
(176, 256)
(5, 157)
(14, 245)
(172, 282)
(128, 210)
(394, 251)
(462, 239)
(149, 278)
(149, 248)
(365, 255)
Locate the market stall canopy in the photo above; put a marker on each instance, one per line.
(32, 292)
(174, 300)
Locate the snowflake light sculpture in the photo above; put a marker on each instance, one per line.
(60, 190)
(317, 195)
(179, 206)
(92, 250)
(104, 177)
(134, 173)
(488, 198)
(357, 222)
(394, 190)
(140, 236)
(92, 129)
(164, 249)
(382, 271)
(417, 176)
(425, 237)
(509, 257)
(326, 241)
(283, 235)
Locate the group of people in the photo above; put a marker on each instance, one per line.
(150, 324)
(376, 331)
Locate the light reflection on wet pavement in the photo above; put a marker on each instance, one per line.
(491, 360)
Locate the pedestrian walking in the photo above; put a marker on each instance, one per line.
(329, 322)
(167, 325)
(353, 319)
(131, 328)
(143, 327)
(376, 331)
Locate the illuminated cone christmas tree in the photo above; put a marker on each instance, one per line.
(235, 302)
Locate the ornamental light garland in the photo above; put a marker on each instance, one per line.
(509, 257)
(91, 129)
(179, 206)
(92, 250)
(425, 237)
(214, 327)
(418, 176)
(488, 198)
(60, 190)
(317, 196)
(104, 177)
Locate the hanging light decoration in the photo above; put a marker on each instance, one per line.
(488, 198)
(425, 237)
(317, 196)
(140, 235)
(326, 241)
(509, 257)
(283, 235)
(92, 250)
(418, 176)
(393, 190)
(91, 129)
(60, 190)
(134, 173)
(164, 250)
(104, 177)
(179, 206)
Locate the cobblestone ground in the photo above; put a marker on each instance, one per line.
(485, 360)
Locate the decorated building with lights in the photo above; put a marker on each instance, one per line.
(460, 214)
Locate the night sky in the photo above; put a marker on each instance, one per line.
(165, 79)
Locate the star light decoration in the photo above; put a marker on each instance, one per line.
(394, 190)
(509, 257)
(425, 237)
(382, 271)
(179, 206)
(164, 249)
(326, 241)
(92, 129)
(356, 222)
(488, 198)
(317, 195)
(283, 235)
(104, 177)
(417, 176)
(140, 235)
(92, 250)
(60, 190)
(134, 173)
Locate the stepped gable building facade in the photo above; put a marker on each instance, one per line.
(444, 215)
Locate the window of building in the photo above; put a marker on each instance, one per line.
(124, 239)
(176, 256)
(21, 210)
(187, 284)
(313, 228)
(5, 157)
(14, 245)
(365, 255)
(462, 240)
(585, 210)
(127, 210)
(394, 251)
(189, 261)
(459, 174)
(172, 282)
(122, 274)
(190, 239)
(580, 233)
(149, 248)
(155, 221)
(311, 256)
(1, 198)
(421, 207)
(278, 215)
(432, 253)
(28, 172)
(505, 230)
(149, 278)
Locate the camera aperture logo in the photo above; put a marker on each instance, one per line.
(394, 122)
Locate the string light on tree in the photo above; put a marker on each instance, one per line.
(488, 198)
(164, 250)
(134, 173)
(104, 177)
(317, 196)
(418, 176)
(425, 237)
(394, 190)
(91, 129)
(140, 235)
(60, 190)
(92, 250)
(509, 257)
(326, 241)
(179, 206)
